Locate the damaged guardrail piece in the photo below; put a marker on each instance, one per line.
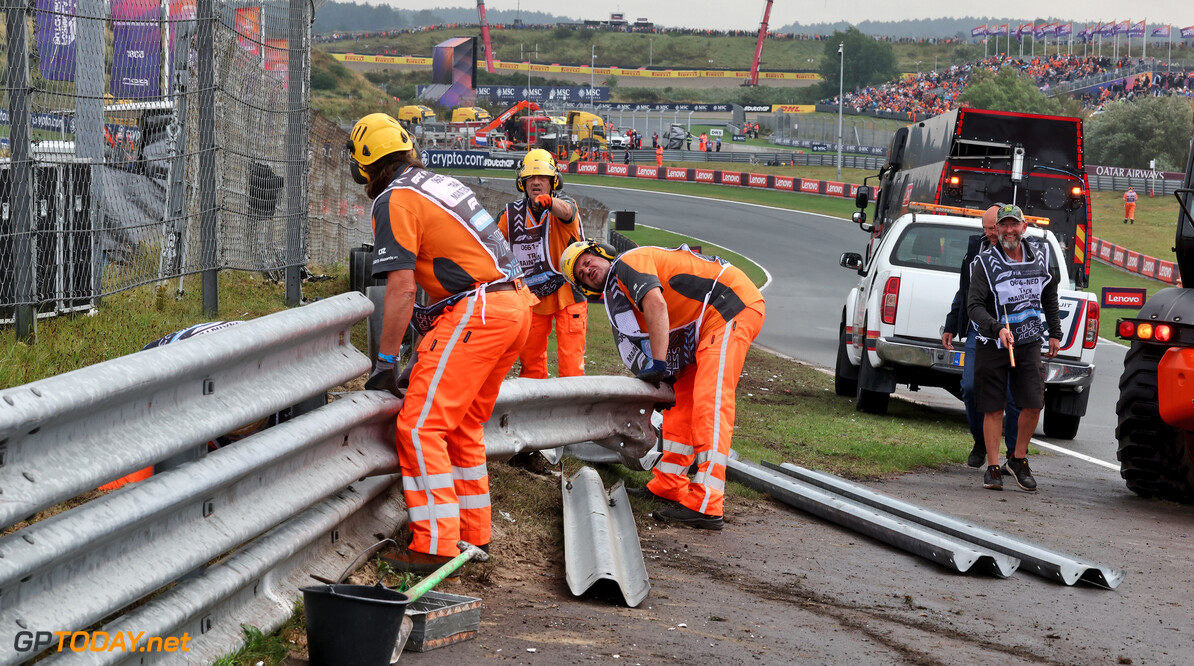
(935, 546)
(538, 414)
(601, 538)
(1051, 564)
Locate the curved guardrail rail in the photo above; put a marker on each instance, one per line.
(229, 538)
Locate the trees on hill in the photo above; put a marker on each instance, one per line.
(1131, 133)
(1007, 90)
(866, 62)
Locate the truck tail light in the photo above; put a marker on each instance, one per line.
(891, 300)
(1092, 325)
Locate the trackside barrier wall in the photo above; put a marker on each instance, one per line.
(714, 176)
(1135, 262)
(278, 510)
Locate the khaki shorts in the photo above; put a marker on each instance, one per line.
(993, 374)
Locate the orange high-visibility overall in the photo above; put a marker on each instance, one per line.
(700, 427)
(461, 361)
(564, 307)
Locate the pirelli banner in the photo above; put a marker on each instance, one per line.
(1134, 262)
(760, 181)
(639, 73)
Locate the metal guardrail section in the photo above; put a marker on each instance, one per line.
(68, 434)
(76, 568)
(258, 584)
(940, 548)
(1042, 561)
(537, 414)
(601, 538)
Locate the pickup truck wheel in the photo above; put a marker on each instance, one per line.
(1154, 458)
(844, 385)
(870, 402)
(1061, 426)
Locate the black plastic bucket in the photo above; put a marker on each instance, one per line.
(352, 625)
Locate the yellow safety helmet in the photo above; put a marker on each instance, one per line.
(539, 162)
(572, 253)
(372, 138)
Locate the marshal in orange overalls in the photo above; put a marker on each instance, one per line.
(700, 427)
(461, 360)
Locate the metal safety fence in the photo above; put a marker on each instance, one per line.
(229, 537)
(146, 140)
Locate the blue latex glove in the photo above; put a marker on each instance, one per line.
(653, 373)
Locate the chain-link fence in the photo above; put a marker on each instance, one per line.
(145, 140)
(856, 130)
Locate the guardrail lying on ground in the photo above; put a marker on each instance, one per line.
(228, 538)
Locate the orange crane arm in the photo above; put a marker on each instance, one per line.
(754, 66)
(485, 37)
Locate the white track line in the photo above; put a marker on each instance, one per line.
(1075, 454)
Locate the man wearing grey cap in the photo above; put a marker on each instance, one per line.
(1013, 304)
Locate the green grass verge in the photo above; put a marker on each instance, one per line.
(1155, 227)
(269, 650)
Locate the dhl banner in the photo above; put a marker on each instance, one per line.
(584, 69)
(793, 108)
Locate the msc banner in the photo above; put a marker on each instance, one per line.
(465, 159)
(544, 93)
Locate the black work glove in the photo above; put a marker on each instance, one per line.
(653, 373)
(383, 378)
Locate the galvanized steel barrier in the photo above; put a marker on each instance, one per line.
(229, 538)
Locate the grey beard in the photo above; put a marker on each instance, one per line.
(1009, 244)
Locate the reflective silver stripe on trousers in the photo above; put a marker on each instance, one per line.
(677, 447)
(418, 513)
(672, 468)
(470, 473)
(705, 479)
(416, 483)
(474, 501)
(431, 512)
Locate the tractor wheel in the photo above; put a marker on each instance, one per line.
(870, 402)
(1061, 426)
(843, 385)
(1155, 458)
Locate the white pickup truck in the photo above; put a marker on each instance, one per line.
(893, 319)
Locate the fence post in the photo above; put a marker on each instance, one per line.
(20, 169)
(89, 119)
(296, 150)
(205, 11)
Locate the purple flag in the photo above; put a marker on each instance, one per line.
(1121, 27)
(137, 49)
(1108, 29)
(1162, 31)
(1137, 29)
(1188, 33)
(980, 31)
(1065, 29)
(56, 39)
(1038, 31)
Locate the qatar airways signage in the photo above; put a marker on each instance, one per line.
(1124, 172)
(1129, 298)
